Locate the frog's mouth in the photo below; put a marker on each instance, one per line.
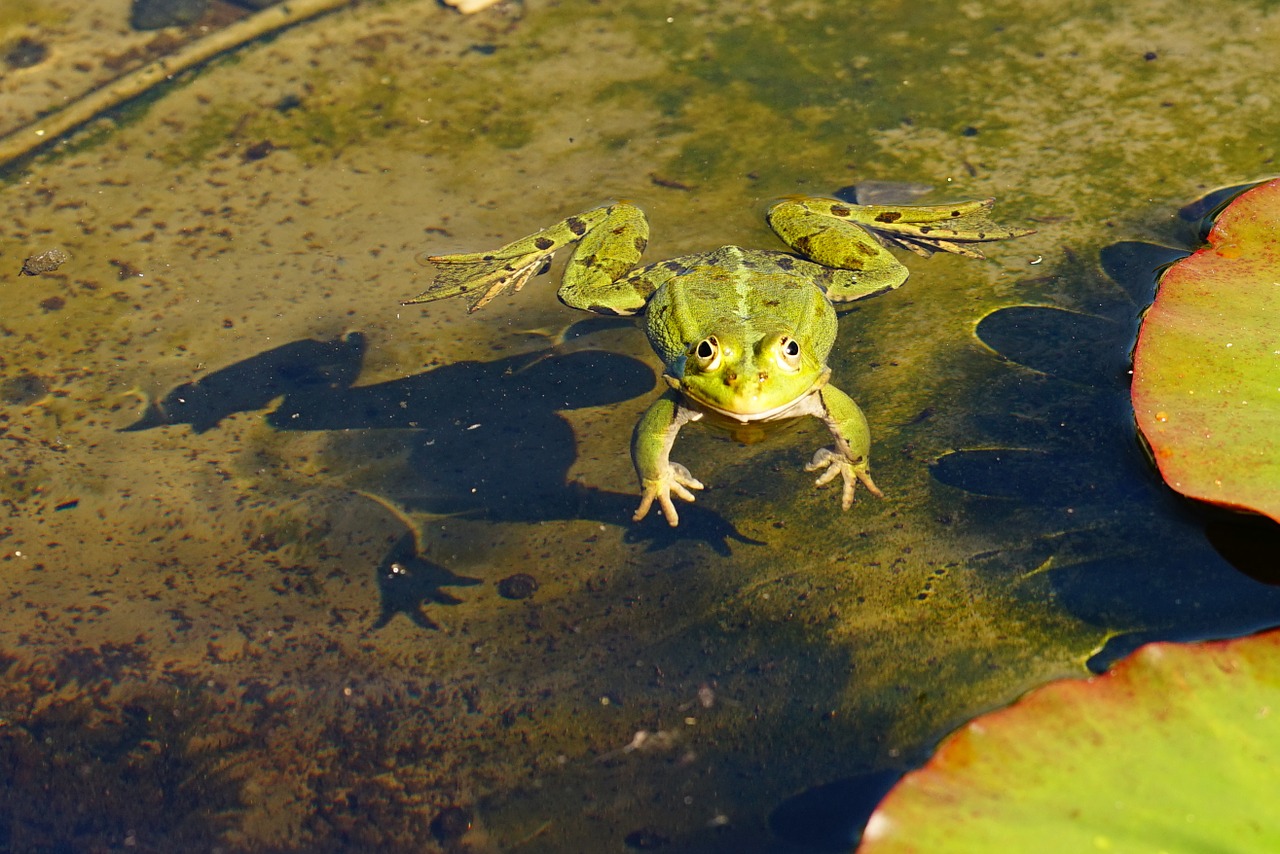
(792, 408)
(747, 417)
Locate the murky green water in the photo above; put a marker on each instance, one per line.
(256, 515)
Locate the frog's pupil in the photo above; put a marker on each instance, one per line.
(791, 348)
(705, 350)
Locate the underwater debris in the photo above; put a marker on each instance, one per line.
(468, 7)
(518, 586)
(44, 262)
(52, 127)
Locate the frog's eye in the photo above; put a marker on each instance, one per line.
(789, 353)
(707, 353)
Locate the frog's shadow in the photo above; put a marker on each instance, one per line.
(483, 439)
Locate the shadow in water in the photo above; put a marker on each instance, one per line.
(1063, 462)
(831, 817)
(406, 580)
(1249, 543)
(299, 367)
(483, 439)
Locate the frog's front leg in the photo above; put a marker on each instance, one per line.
(610, 240)
(850, 457)
(651, 444)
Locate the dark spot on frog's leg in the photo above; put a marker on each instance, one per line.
(576, 225)
(955, 213)
(840, 210)
(786, 262)
(925, 229)
(772, 303)
(487, 258)
(671, 265)
(888, 216)
(802, 243)
(641, 244)
(544, 243)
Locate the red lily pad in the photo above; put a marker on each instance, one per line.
(1177, 748)
(1206, 370)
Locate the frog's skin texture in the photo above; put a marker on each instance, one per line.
(744, 334)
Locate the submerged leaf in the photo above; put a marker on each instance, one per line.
(1174, 749)
(1206, 384)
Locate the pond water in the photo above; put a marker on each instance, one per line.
(288, 566)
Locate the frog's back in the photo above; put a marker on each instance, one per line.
(751, 291)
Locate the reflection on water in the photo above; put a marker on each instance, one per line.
(378, 589)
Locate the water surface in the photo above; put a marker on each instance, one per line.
(257, 514)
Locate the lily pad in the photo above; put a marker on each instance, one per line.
(1206, 373)
(1174, 749)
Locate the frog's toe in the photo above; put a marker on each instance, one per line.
(837, 465)
(681, 477)
(481, 276)
(675, 479)
(864, 475)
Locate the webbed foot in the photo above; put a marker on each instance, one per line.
(484, 275)
(675, 478)
(850, 473)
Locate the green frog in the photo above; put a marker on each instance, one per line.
(743, 334)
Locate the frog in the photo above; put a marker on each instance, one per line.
(744, 335)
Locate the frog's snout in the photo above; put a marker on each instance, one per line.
(748, 387)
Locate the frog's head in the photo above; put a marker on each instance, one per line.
(749, 374)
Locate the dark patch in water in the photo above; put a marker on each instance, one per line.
(831, 817)
(25, 53)
(1249, 543)
(157, 14)
(25, 388)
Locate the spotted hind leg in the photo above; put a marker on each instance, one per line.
(823, 231)
(610, 240)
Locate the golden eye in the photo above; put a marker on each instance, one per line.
(789, 353)
(707, 353)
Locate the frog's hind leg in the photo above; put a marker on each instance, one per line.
(612, 238)
(819, 229)
(855, 237)
(596, 277)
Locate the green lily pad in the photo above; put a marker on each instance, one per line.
(1174, 749)
(1206, 372)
